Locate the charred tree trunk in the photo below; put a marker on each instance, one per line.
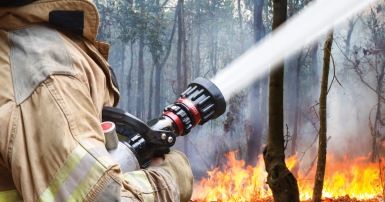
(280, 180)
(321, 162)
(254, 142)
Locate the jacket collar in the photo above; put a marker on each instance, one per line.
(41, 12)
(9, 3)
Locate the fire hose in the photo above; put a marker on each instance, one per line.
(200, 102)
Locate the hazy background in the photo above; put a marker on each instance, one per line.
(144, 53)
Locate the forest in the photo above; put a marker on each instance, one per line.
(332, 135)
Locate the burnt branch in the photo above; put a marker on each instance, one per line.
(287, 137)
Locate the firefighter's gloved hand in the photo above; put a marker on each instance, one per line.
(161, 153)
(156, 161)
(177, 169)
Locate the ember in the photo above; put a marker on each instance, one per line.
(346, 180)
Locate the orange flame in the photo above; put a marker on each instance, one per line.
(357, 178)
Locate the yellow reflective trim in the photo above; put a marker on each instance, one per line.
(49, 194)
(10, 196)
(91, 143)
(141, 176)
(88, 181)
(140, 179)
(129, 178)
(105, 160)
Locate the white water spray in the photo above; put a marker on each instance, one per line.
(285, 41)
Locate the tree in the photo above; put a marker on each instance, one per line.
(297, 107)
(158, 52)
(321, 162)
(179, 50)
(198, 53)
(254, 142)
(140, 88)
(280, 180)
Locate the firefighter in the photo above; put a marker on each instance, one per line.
(54, 82)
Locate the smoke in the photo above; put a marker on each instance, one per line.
(286, 40)
(348, 106)
(347, 112)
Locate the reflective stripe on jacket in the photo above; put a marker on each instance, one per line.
(10, 196)
(55, 80)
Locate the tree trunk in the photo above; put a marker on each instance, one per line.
(264, 104)
(122, 81)
(185, 79)
(254, 142)
(240, 25)
(297, 108)
(184, 56)
(296, 114)
(198, 53)
(185, 71)
(280, 180)
(321, 162)
(265, 97)
(179, 51)
(160, 65)
(122, 63)
(149, 116)
(314, 68)
(378, 113)
(129, 79)
(156, 59)
(140, 92)
(343, 97)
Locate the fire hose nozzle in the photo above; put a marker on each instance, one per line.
(199, 103)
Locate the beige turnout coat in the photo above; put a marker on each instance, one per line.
(54, 82)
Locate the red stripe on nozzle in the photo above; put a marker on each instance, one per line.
(177, 121)
(106, 126)
(193, 109)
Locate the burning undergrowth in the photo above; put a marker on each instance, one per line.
(347, 180)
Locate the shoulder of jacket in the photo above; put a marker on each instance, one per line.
(36, 53)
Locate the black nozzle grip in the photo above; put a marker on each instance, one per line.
(119, 116)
